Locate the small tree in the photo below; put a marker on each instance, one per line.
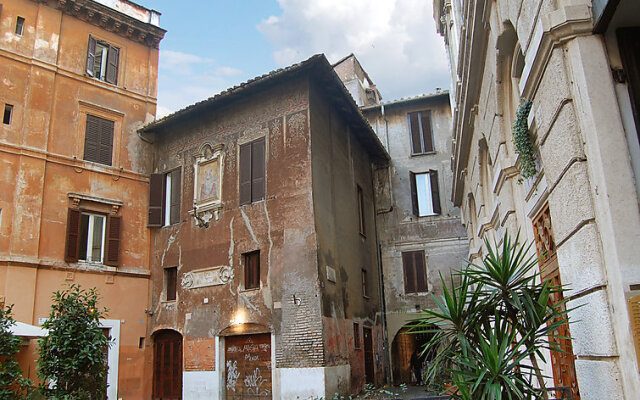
(73, 357)
(12, 384)
(492, 323)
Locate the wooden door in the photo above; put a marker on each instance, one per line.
(563, 363)
(368, 355)
(167, 365)
(248, 367)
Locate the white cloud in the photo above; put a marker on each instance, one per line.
(185, 79)
(227, 71)
(181, 63)
(395, 40)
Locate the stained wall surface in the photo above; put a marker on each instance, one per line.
(546, 52)
(44, 77)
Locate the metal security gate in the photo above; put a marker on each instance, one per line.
(248, 367)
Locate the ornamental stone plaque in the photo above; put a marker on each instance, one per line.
(207, 277)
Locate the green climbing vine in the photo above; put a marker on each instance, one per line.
(523, 142)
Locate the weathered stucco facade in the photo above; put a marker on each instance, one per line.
(318, 151)
(438, 239)
(560, 56)
(47, 96)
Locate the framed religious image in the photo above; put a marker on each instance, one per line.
(207, 190)
(208, 187)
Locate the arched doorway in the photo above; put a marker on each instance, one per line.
(167, 365)
(404, 344)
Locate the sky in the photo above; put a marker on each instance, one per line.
(213, 45)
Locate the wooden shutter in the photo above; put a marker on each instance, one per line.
(112, 253)
(92, 139)
(156, 200)
(414, 193)
(106, 141)
(257, 170)
(113, 56)
(72, 248)
(172, 282)
(427, 137)
(633, 304)
(420, 271)
(409, 272)
(245, 173)
(414, 127)
(629, 45)
(176, 191)
(91, 55)
(360, 199)
(252, 270)
(435, 192)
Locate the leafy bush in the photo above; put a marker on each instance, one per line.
(12, 384)
(73, 358)
(491, 325)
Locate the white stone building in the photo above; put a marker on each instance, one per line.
(578, 62)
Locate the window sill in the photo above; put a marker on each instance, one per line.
(428, 153)
(169, 302)
(419, 294)
(94, 266)
(252, 290)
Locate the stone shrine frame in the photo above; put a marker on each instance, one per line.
(207, 183)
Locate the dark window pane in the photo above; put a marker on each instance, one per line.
(171, 281)
(19, 26)
(8, 111)
(84, 236)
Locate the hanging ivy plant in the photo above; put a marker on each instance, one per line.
(523, 143)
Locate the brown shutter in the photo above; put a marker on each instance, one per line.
(113, 56)
(114, 227)
(105, 152)
(426, 131)
(629, 44)
(409, 272)
(414, 127)
(633, 304)
(435, 192)
(255, 270)
(420, 271)
(414, 193)
(176, 192)
(92, 139)
(156, 199)
(172, 282)
(257, 170)
(72, 247)
(91, 55)
(245, 173)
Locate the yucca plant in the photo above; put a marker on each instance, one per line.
(491, 324)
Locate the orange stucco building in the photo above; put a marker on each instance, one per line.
(77, 79)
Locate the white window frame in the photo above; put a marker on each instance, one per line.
(113, 356)
(423, 192)
(167, 199)
(92, 218)
(104, 54)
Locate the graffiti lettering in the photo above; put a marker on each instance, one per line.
(232, 374)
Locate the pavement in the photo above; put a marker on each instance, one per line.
(412, 393)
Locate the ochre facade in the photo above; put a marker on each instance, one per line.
(44, 77)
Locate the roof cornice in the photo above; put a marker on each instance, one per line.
(111, 20)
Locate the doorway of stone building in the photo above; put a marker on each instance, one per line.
(402, 347)
(167, 365)
(368, 355)
(248, 367)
